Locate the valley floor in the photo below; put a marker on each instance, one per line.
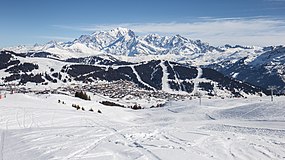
(39, 127)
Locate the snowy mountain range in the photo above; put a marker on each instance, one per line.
(121, 41)
(125, 44)
(156, 75)
(267, 69)
(261, 66)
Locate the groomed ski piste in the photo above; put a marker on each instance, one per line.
(45, 126)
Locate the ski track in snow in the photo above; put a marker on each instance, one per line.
(196, 80)
(139, 78)
(113, 132)
(175, 76)
(180, 130)
(89, 147)
(2, 145)
(164, 80)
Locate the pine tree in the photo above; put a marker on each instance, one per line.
(82, 95)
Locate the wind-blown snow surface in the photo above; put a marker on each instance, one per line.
(38, 127)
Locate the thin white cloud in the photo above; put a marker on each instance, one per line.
(259, 31)
(59, 38)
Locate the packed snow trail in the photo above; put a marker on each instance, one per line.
(181, 130)
(2, 145)
(196, 80)
(175, 76)
(140, 80)
(164, 79)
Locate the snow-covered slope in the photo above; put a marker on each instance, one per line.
(36, 126)
(155, 75)
(267, 69)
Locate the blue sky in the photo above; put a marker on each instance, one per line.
(252, 22)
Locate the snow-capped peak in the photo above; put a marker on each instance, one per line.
(115, 33)
(119, 32)
(123, 41)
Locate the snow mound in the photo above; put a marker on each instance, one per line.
(269, 111)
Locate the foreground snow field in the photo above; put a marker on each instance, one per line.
(38, 127)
